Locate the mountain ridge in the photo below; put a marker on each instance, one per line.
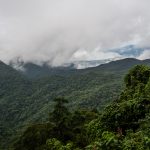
(33, 70)
(27, 99)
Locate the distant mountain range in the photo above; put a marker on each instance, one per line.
(129, 51)
(27, 93)
(87, 64)
(21, 65)
(33, 70)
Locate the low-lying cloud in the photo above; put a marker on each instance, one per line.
(62, 31)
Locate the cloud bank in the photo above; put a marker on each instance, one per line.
(62, 31)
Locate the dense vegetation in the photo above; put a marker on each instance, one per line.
(27, 97)
(122, 125)
(63, 127)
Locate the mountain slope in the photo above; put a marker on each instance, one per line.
(34, 71)
(122, 125)
(14, 88)
(26, 97)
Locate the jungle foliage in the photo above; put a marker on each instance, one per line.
(26, 96)
(123, 125)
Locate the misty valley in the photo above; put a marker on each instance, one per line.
(64, 108)
(74, 74)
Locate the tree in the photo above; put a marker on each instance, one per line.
(60, 111)
(60, 117)
(138, 74)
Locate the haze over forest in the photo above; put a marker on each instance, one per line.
(74, 74)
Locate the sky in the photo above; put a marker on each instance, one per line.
(60, 31)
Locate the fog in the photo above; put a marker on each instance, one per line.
(60, 31)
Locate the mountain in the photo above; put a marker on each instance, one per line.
(32, 70)
(123, 125)
(14, 88)
(123, 64)
(88, 64)
(26, 95)
(37, 71)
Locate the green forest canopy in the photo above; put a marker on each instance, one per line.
(122, 125)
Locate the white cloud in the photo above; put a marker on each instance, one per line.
(145, 55)
(56, 31)
(95, 54)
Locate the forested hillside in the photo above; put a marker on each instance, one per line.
(123, 125)
(26, 97)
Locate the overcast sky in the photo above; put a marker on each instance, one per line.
(60, 31)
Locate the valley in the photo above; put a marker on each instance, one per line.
(26, 97)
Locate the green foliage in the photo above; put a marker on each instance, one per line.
(108, 141)
(60, 112)
(136, 141)
(128, 117)
(54, 144)
(60, 117)
(35, 136)
(138, 75)
(24, 101)
(122, 125)
(58, 133)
